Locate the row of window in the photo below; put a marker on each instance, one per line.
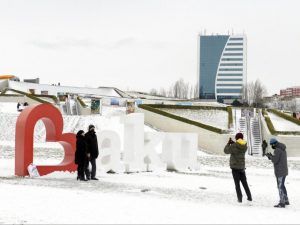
(231, 64)
(236, 39)
(229, 85)
(233, 54)
(232, 59)
(230, 74)
(229, 79)
(236, 44)
(233, 49)
(229, 91)
(231, 69)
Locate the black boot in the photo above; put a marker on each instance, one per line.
(280, 205)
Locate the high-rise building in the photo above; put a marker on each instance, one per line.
(222, 67)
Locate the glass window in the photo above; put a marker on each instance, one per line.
(230, 74)
(235, 44)
(231, 69)
(236, 39)
(233, 49)
(233, 54)
(231, 64)
(232, 59)
(229, 85)
(229, 90)
(229, 79)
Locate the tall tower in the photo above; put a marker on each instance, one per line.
(222, 67)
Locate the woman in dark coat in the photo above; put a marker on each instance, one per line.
(81, 156)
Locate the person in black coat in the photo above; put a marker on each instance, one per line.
(264, 147)
(81, 156)
(92, 148)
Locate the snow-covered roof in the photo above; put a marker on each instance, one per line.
(54, 90)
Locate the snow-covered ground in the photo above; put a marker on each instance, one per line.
(216, 118)
(281, 124)
(186, 197)
(204, 196)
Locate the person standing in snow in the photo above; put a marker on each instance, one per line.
(18, 106)
(237, 152)
(264, 147)
(81, 156)
(92, 146)
(279, 159)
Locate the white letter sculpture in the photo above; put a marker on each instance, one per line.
(133, 141)
(109, 151)
(180, 151)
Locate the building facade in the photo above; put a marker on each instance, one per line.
(222, 67)
(290, 92)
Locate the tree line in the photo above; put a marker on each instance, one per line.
(180, 89)
(253, 92)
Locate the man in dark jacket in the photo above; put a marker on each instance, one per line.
(92, 146)
(237, 152)
(264, 147)
(81, 156)
(279, 160)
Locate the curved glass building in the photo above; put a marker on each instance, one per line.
(222, 67)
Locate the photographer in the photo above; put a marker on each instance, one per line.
(279, 159)
(237, 152)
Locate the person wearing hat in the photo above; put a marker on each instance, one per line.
(92, 146)
(279, 159)
(237, 151)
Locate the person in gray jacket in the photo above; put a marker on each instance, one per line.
(279, 159)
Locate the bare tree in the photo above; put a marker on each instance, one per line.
(293, 105)
(162, 92)
(153, 91)
(179, 89)
(196, 91)
(171, 91)
(254, 93)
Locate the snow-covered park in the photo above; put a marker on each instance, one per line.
(281, 124)
(206, 195)
(216, 118)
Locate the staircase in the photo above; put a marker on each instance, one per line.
(71, 107)
(256, 137)
(249, 125)
(243, 127)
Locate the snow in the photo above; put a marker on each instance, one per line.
(281, 124)
(8, 107)
(216, 118)
(186, 197)
(205, 196)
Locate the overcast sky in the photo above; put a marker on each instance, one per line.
(140, 44)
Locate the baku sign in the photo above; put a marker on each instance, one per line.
(178, 150)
